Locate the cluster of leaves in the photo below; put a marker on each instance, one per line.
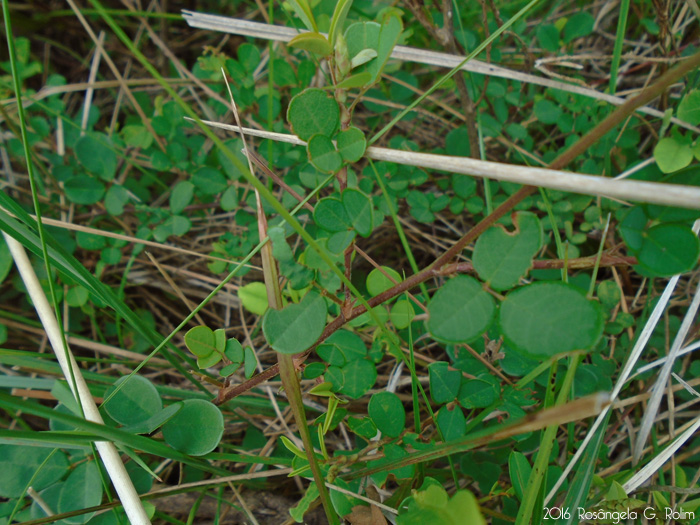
(503, 316)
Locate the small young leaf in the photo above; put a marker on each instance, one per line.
(200, 341)
(297, 326)
(315, 43)
(196, 429)
(250, 362)
(303, 11)
(115, 199)
(181, 196)
(234, 351)
(460, 311)
(377, 282)
(137, 136)
(208, 360)
(355, 81)
(579, 25)
(254, 297)
(351, 144)
(363, 57)
(338, 19)
(547, 318)
(313, 112)
(451, 423)
(402, 314)
(323, 155)
(388, 413)
(671, 155)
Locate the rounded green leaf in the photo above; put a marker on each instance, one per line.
(323, 155)
(250, 362)
(579, 25)
(671, 155)
(19, 464)
(351, 144)
(547, 111)
(96, 154)
(296, 327)
(209, 181)
(137, 136)
(460, 311)
(313, 112)
(330, 215)
(402, 314)
(196, 429)
(444, 383)
(315, 43)
(689, 108)
(377, 282)
(156, 420)
(115, 199)
(82, 489)
(359, 376)
(254, 297)
(501, 258)
(181, 196)
(477, 393)
(359, 209)
(452, 423)
(84, 189)
(342, 347)
(200, 341)
(388, 413)
(135, 402)
(546, 318)
(209, 360)
(234, 351)
(668, 249)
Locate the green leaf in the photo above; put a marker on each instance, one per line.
(135, 402)
(342, 347)
(377, 282)
(359, 375)
(250, 362)
(351, 144)
(323, 155)
(234, 351)
(84, 189)
(196, 429)
(200, 341)
(137, 136)
(671, 155)
(20, 463)
(6, 260)
(181, 196)
(452, 423)
(254, 297)
(355, 81)
(296, 327)
(668, 249)
(315, 43)
(689, 108)
(115, 199)
(579, 25)
(519, 469)
(402, 314)
(209, 360)
(363, 57)
(338, 19)
(460, 311)
(155, 421)
(229, 199)
(502, 258)
(547, 111)
(444, 383)
(96, 153)
(477, 393)
(82, 489)
(548, 37)
(547, 318)
(209, 181)
(313, 112)
(388, 36)
(297, 512)
(303, 11)
(359, 209)
(330, 215)
(388, 413)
